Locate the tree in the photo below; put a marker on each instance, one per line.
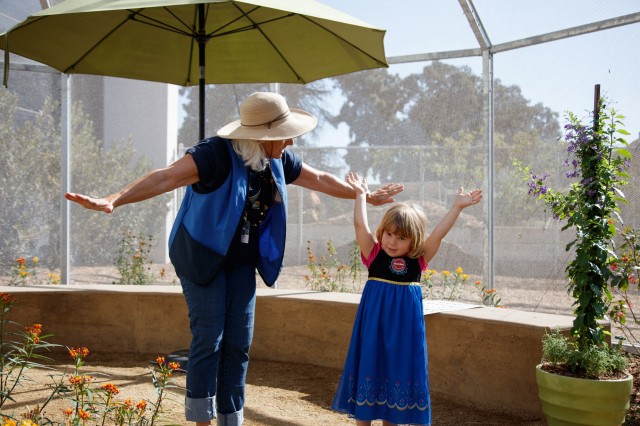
(441, 111)
(31, 191)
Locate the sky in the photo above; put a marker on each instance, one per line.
(561, 75)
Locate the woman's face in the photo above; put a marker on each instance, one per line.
(275, 149)
(395, 245)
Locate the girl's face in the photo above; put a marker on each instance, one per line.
(395, 245)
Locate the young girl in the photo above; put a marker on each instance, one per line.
(385, 375)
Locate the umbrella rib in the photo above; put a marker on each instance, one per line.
(344, 40)
(73, 65)
(215, 33)
(131, 17)
(257, 27)
(162, 25)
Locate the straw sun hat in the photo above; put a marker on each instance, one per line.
(265, 116)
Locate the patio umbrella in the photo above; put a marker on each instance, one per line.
(197, 42)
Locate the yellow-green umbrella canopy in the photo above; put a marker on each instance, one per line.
(256, 41)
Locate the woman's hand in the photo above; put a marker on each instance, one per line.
(99, 204)
(385, 194)
(378, 197)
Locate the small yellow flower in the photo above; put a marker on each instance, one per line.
(446, 273)
(54, 278)
(459, 270)
(35, 259)
(8, 422)
(465, 276)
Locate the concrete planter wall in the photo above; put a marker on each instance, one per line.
(481, 356)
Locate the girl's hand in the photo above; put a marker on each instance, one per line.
(358, 185)
(463, 200)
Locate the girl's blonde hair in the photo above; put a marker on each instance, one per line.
(408, 221)
(251, 152)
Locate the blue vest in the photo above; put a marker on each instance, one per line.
(206, 223)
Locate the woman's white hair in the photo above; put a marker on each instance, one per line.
(251, 152)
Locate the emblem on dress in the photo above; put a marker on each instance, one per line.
(398, 266)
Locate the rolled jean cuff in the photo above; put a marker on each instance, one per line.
(200, 409)
(233, 419)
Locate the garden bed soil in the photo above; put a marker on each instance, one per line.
(277, 394)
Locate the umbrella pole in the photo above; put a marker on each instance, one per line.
(202, 41)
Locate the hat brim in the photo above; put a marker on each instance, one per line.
(297, 123)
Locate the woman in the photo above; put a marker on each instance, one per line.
(232, 221)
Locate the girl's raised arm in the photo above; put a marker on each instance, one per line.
(364, 237)
(461, 201)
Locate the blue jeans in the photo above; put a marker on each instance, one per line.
(221, 317)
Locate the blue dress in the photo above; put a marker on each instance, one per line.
(385, 376)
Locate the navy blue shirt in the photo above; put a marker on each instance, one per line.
(214, 165)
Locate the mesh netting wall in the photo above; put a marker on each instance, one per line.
(420, 124)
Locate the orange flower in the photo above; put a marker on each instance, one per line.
(6, 298)
(174, 366)
(160, 360)
(83, 414)
(81, 352)
(80, 380)
(142, 405)
(34, 331)
(111, 389)
(21, 260)
(68, 412)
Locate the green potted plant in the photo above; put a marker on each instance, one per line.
(598, 162)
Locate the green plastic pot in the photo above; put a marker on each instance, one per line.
(569, 401)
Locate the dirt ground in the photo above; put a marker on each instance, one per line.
(278, 394)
